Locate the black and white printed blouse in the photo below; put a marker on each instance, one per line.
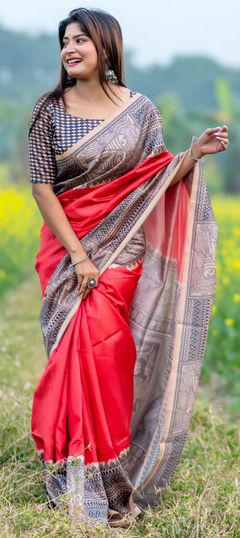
(54, 131)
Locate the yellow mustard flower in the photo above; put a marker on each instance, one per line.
(229, 321)
(236, 264)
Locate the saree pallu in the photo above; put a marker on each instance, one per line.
(112, 409)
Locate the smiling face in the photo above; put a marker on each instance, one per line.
(79, 54)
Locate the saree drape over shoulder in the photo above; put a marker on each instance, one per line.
(113, 406)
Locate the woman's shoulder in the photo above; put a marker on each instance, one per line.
(133, 93)
(146, 104)
(43, 107)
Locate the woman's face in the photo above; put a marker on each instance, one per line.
(79, 47)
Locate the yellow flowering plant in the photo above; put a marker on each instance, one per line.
(20, 223)
(222, 355)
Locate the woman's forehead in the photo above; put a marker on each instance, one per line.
(73, 29)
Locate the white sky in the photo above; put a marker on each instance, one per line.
(155, 30)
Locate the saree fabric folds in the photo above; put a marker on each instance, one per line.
(112, 409)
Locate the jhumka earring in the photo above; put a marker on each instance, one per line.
(110, 75)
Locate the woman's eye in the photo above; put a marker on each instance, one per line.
(77, 40)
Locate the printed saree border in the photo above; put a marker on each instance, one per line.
(179, 329)
(80, 143)
(89, 466)
(122, 245)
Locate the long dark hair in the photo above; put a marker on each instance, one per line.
(105, 32)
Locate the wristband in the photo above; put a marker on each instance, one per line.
(78, 261)
(194, 139)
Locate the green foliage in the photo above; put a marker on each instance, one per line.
(35, 69)
(221, 367)
(32, 69)
(192, 93)
(224, 98)
(229, 112)
(179, 125)
(14, 137)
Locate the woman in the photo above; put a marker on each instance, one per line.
(126, 266)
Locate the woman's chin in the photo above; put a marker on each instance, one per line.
(74, 73)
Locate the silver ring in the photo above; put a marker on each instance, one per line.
(91, 283)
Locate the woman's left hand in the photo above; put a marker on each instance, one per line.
(213, 140)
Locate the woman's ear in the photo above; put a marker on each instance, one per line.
(105, 54)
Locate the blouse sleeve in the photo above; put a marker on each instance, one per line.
(42, 163)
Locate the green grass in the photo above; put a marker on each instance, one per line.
(202, 499)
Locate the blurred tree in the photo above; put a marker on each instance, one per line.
(192, 93)
(229, 113)
(30, 66)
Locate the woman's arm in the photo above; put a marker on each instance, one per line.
(212, 140)
(55, 218)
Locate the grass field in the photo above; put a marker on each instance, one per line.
(203, 498)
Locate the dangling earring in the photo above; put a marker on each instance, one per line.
(110, 75)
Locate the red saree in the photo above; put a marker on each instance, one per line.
(113, 405)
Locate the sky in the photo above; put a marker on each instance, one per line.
(154, 30)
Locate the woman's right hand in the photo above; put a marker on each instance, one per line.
(85, 270)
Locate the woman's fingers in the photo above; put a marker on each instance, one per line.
(223, 140)
(214, 140)
(217, 130)
(223, 143)
(222, 136)
(83, 283)
(80, 279)
(83, 286)
(86, 293)
(85, 270)
(212, 130)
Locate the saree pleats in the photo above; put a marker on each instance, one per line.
(83, 403)
(113, 406)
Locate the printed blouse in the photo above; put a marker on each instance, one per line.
(54, 131)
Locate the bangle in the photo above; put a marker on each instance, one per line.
(194, 138)
(81, 260)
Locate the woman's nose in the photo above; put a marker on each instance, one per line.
(69, 47)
